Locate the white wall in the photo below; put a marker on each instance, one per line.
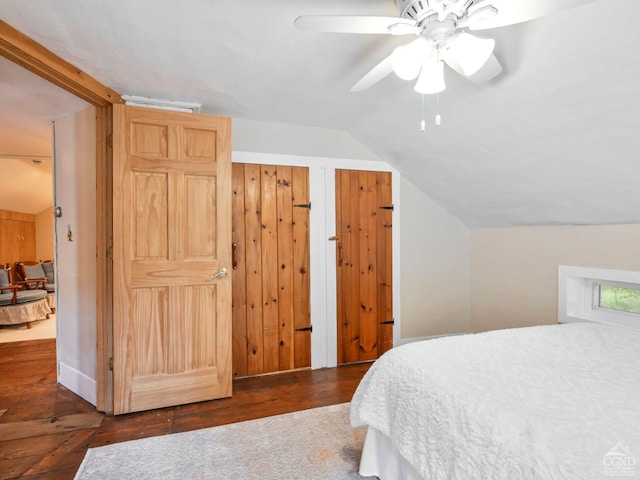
(75, 193)
(514, 271)
(431, 267)
(452, 279)
(435, 275)
(44, 234)
(265, 137)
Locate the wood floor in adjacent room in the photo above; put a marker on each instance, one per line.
(45, 429)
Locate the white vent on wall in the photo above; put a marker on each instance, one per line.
(173, 105)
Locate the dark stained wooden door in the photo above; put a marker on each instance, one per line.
(271, 287)
(364, 218)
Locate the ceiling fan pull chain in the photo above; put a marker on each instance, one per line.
(438, 119)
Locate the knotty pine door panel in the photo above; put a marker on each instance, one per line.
(364, 268)
(271, 287)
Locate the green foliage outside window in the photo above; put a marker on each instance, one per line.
(620, 298)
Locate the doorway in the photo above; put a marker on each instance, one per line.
(54, 72)
(26, 235)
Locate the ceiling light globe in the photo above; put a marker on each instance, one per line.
(467, 54)
(431, 78)
(406, 60)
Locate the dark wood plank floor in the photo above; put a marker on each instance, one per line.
(45, 429)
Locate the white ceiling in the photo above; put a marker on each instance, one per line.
(550, 141)
(28, 105)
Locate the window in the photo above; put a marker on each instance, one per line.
(621, 297)
(598, 295)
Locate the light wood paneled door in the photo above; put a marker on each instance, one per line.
(364, 217)
(271, 289)
(172, 235)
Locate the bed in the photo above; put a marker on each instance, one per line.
(548, 402)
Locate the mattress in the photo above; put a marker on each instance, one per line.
(548, 402)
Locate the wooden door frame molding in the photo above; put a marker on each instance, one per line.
(27, 53)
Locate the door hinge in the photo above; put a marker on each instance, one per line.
(304, 205)
(387, 207)
(111, 363)
(305, 329)
(110, 140)
(388, 322)
(110, 253)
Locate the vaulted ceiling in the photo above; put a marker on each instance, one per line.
(552, 140)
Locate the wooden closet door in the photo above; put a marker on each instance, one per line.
(28, 241)
(10, 242)
(364, 264)
(271, 288)
(17, 237)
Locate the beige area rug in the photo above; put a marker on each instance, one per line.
(311, 444)
(40, 329)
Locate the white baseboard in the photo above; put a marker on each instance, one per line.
(77, 382)
(404, 341)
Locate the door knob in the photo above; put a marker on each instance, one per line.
(221, 274)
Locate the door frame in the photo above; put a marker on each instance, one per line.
(25, 52)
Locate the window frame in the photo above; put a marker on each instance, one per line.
(597, 294)
(578, 301)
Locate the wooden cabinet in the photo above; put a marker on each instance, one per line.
(17, 237)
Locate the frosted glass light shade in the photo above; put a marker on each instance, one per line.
(467, 54)
(431, 78)
(406, 60)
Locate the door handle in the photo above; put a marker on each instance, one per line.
(234, 256)
(221, 274)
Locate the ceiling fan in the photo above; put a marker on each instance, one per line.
(441, 30)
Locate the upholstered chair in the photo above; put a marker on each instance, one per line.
(39, 276)
(18, 304)
(7, 290)
(32, 275)
(48, 268)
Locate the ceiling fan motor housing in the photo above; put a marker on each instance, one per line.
(421, 10)
(437, 19)
(414, 9)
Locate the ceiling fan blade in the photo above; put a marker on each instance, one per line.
(357, 24)
(376, 74)
(515, 11)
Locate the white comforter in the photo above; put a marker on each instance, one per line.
(543, 403)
